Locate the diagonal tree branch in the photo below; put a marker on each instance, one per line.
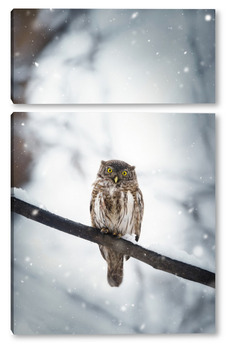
(149, 257)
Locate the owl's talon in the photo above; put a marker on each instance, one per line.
(116, 234)
(104, 230)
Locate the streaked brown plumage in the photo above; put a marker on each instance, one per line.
(116, 207)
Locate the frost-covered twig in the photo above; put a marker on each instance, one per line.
(125, 247)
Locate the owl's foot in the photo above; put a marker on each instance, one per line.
(104, 230)
(118, 235)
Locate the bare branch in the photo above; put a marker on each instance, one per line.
(149, 257)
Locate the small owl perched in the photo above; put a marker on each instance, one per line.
(116, 207)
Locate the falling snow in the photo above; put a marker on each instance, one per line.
(100, 66)
(134, 15)
(208, 18)
(53, 260)
(106, 61)
(198, 251)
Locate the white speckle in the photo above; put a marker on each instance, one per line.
(185, 52)
(205, 236)
(198, 251)
(36, 64)
(142, 326)
(60, 265)
(123, 308)
(35, 212)
(22, 124)
(157, 53)
(186, 69)
(191, 210)
(27, 258)
(112, 20)
(134, 15)
(148, 40)
(179, 212)
(208, 18)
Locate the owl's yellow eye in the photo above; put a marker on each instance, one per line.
(109, 170)
(124, 173)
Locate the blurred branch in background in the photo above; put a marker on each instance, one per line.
(149, 257)
(102, 56)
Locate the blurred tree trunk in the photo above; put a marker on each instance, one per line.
(21, 155)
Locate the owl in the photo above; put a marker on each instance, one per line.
(116, 208)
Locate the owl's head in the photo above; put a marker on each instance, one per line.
(117, 171)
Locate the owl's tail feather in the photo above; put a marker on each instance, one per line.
(115, 271)
(115, 266)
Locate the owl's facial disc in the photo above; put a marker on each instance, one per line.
(117, 172)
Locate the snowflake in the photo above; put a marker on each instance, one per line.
(134, 15)
(123, 308)
(208, 18)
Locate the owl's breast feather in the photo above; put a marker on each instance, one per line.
(114, 210)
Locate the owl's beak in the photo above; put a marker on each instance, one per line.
(116, 179)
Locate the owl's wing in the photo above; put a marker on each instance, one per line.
(91, 211)
(92, 205)
(139, 209)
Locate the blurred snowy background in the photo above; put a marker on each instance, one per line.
(59, 281)
(113, 56)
